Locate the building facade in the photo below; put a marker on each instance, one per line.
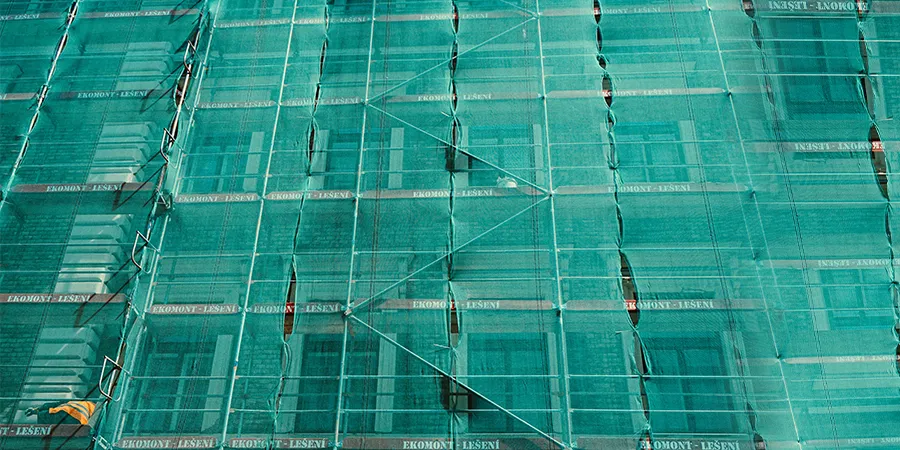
(454, 224)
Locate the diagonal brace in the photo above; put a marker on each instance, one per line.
(350, 309)
(465, 152)
(464, 385)
(444, 63)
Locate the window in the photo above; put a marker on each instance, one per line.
(316, 397)
(802, 49)
(322, 358)
(520, 363)
(122, 152)
(218, 168)
(855, 298)
(693, 393)
(651, 152)
(167, 400)
(179, 387)
(95, 253)
(50, 363)
(336, 168)
(510, 147)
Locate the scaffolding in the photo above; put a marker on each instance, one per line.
(453, 224)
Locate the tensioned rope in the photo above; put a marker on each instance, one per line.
(777, 129)
(259, 224)
(453, 145)
(733, 331)
(756, 208)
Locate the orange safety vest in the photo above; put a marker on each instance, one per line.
(81, 411)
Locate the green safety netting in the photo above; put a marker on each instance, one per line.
(455, 224)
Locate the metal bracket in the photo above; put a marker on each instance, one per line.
(138, 236)
(110, 387)
(187, 63)
(167, 140)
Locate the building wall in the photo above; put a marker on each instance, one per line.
(528, 224)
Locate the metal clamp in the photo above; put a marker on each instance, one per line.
(187, 63)
(164, 200)
(110, 387)
(73, 10)
(42, 94)
(179, 94)
(192, 51)
(103, 443)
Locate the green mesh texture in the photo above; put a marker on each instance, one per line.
(454, 224)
